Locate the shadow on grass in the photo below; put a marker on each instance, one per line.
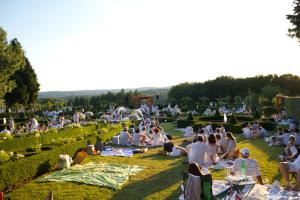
(157, 183)
(160, 157)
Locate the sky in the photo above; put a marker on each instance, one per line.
(113, 44)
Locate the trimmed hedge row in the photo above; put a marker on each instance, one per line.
(165, 119)
(46, 138)
(221, 118)
(268, 125)
(14, 173)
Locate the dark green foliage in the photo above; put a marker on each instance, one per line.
(183, 123)
(165, 119)
(217, 113)
(11, 59)
(295, 21)
(268, 125)
(27, 87)
(190, 117)
(225, 86)
(292, 106)
(232, 119)
(234, 128)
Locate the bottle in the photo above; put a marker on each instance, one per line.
(243, 168)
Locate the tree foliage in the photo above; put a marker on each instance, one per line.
(295, 21)
(11, 59)
(230, 87)
(27, 87)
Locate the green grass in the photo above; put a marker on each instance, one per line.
(160, 180)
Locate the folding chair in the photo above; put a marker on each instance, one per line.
(206, 185)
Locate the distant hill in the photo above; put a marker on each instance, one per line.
(65, 94)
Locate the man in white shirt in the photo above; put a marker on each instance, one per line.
(247, 132)
(197, 151)
(252, 168)
(5, 131)
(34, 124)
(189, 131)
(286, 168)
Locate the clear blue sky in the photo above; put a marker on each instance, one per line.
(94, 44)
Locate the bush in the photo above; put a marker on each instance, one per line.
(232, 119)
(268, 125)
(200, 124)
(183, 123)
(165, 119)
(211, 118)
(234, 128)
(14, 173)
(190, 117)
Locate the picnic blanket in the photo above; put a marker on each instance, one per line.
(102, 174)
(124, 152)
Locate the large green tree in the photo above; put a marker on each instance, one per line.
(11, 59)
(295, 21)
(27, 87)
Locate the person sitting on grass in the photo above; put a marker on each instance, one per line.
(157, 137)
(290, 151)
(197, 151)
(252, 168)
(189, 131)
(125, 137)
(138, 138)
(286, 168)
(231, 151)
(213, 157)
(170, 149)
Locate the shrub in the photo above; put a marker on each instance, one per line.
(268, 125)
(165, 119)
(232, 119)
(183, 123)
(234, 128)
(14, 173)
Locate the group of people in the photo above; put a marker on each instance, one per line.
(148, 133)
(254, 131)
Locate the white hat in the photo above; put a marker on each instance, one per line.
(245, 151)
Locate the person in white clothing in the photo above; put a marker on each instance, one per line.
(138, 138)
(247, 132)
(290, 151)
(34, 124)
(5, 131)
(252, 168)
(213, 157)
(158, 139)
(189, 131)
(197, 151)
(286, 168)
(125, 137)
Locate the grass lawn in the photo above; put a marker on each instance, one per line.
(160, 180)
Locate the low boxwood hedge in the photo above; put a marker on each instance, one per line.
(46, 138)
(14, 173)
(165, 119)
(268, 125)
(183, 123)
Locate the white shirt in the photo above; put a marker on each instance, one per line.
(252, 167)
(5, 131)
(189, 131)
(231, 145)
(197, 152)
(136, 139)
(34, 124)
(157, 139)
(247, 133)
(124, 138)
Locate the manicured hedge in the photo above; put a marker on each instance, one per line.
(268, 125)
(234, 128)
(23, 142)
(14, 173)
(221, 118)
(183, 123)
(165, 119)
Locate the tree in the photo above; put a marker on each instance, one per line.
(27, 87)
(11, 59)
(270, 91)
(295, 21)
